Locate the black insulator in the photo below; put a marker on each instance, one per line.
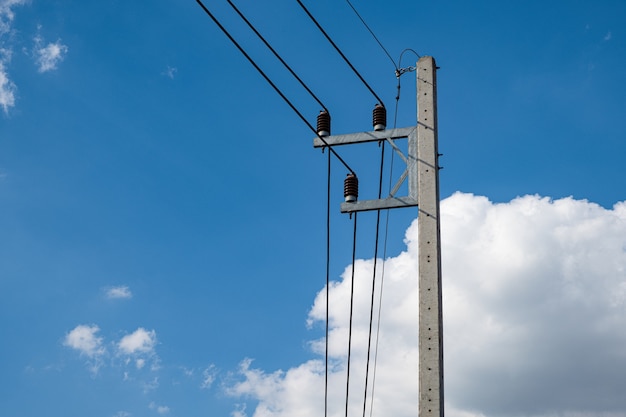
(380, 117)
(351, 188)
(323, 123)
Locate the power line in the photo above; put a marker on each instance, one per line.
(369, 339)
(327, 285)
(276, 54)
(339, 51)
(382, 277)
(372, 33)
(223, 29)
(351, 311)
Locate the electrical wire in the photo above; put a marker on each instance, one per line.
(382, 277)
(339, 51)
(351, 311)
(372, 33)
(254, 64)
(369, 339)
(328, 188)
(282, 61)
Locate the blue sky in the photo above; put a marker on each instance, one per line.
(162, 210)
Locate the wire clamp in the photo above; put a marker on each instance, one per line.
(401, 71)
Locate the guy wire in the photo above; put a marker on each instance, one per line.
(339, 51)
(271, 83)
(372, 33)
(276, 54)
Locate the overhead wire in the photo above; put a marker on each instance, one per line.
(369, 339)
(372, 33)
(282, 61)
(351, 314)
(356, 72)
(273, 85)
(382, 277)
(328, 188)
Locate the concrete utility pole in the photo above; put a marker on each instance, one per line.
(422, 171)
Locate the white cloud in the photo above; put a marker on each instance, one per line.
(48, 57)
(161, 409)
(8, 89)
(608, 36)
(119, 292)
(140, 341)
(170, 72)
(84, 339)
(7, 14)
(208, 377)
(534, 319)
(122, 414)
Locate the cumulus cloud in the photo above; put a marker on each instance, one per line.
(140, 341)
(85, 340)
(534, 316)
(119, 292)
(48, 57)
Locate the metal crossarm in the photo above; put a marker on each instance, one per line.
(390, 136)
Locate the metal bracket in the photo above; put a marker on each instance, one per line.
(392, 201)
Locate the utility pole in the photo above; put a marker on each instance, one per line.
(422, 172)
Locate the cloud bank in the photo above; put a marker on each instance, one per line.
(534, 319)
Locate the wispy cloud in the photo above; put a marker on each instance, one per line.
(119, 292)
(161, 409)
(8, 89)
(208, 377)
(47, 57)
(7, 14)
(608, 36)
(170, 72)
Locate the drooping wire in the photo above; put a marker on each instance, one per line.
(271, 83)
(369, 339)
(339, 51)
(372, 33)
(399, 72)
(351, 311)
(282, 61)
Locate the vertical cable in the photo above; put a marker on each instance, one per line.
(327, 284)
(351, 311)
(369, 339)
